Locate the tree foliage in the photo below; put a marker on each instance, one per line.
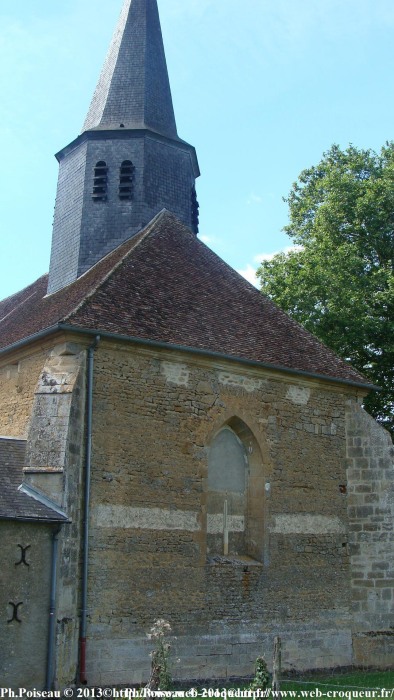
(338, 280)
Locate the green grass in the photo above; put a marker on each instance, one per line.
(335, 685)
(359, 679)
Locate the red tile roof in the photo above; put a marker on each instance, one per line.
(165, 285)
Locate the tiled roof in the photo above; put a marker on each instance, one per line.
(15, 504)
(165, 285)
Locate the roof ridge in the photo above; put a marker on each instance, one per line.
(20, 291)
(14, 308)
(135, 241)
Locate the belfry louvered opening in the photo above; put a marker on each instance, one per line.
(126, 180)
(100, 181)
(194, 211)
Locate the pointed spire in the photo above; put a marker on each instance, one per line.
(133, 89)
(114, 180)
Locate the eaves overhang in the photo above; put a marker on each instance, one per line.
(125, 135)
(34, 520)
(29, 339)
(65, 327)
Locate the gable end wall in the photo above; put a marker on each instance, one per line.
(155, 415)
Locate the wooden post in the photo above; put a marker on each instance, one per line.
(276, 668)
(153, 683)
(225, 528)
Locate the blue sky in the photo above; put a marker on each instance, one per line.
(261, 88)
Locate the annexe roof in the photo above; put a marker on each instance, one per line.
(167, 286)
(16, 504)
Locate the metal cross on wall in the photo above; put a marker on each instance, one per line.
(23, 555)
(15, 607)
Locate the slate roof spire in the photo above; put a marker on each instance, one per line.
(133, 88)
(128, 163)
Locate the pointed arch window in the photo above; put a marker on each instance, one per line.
(126, 180)
(100, 181)
(194, 211)
(227, 493)
(236, 494)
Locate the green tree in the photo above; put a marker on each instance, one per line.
(338, 280)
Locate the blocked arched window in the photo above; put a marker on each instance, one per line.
(100, 181)
(236, 493)
(227, 486)
(126, 180)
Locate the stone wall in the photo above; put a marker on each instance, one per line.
(25, 582)
(17, 383)
(54, 466)
(325, 587)
(155, 416)
(370, 458)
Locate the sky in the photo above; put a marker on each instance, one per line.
(261, 88)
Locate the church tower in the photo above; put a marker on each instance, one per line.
(129, 162)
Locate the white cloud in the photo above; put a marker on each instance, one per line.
(254, 198)
(249, 272)
(268, 256)
(206, 239)
(263, 256)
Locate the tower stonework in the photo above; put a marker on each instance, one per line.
(128, 163)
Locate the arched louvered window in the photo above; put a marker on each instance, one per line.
(100, 181)
(126, 180)
(195, 210)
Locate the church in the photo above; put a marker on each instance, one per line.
(172, 445)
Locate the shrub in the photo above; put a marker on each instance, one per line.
(160, 674)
